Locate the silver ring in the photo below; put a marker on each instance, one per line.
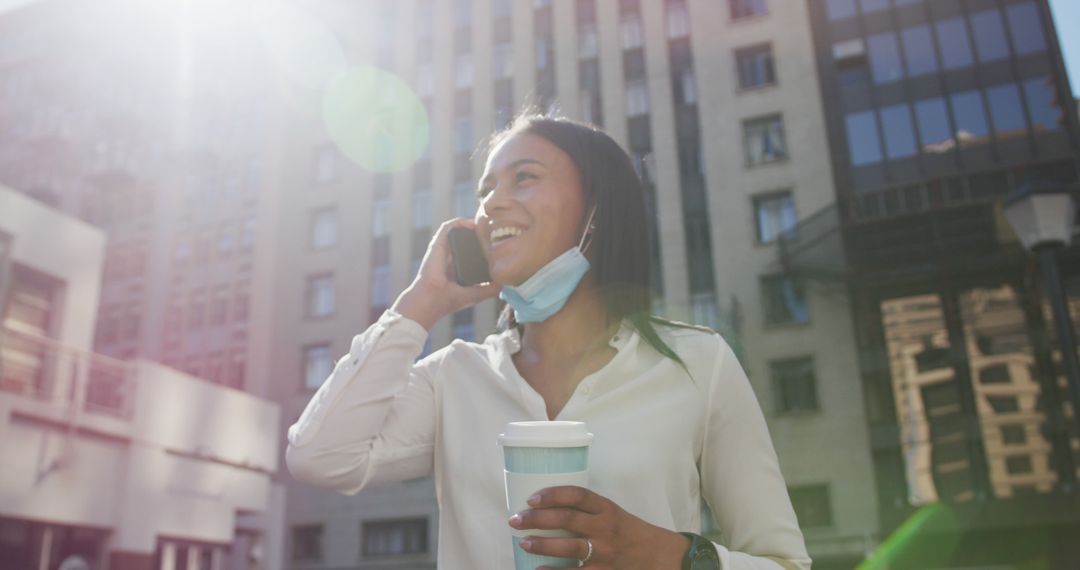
(588, 554)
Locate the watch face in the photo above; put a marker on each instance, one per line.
(705, 559)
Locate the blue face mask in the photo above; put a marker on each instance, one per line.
(543, 294)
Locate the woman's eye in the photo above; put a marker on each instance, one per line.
(524, 176)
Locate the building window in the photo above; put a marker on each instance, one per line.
(630, 31)
(863, 141)
(464, 200)
(704, 310)
(543, 52)
(421, 209)
(1046, 114)
(795, 383)
(325, 164)
(380, 286)
(463, 135)
(839, 9)
(389, 538)
(588, 44)
(852, 67)
(885, 58)
(1013, 434)
(688, 87)
(870, 6)
(320, 295)
(637, 98)
(812, 506)
(503, 57)
(746, 8)
(935, 128)
(785, 300)
(1018, 464)
(971, 126)
(247, 235)
(989, 32)
(1006, 112)
(380, 217)
(318, 365)
(755, 66)
(775, 214)
(952, 36)
(324, 228)
(899, 132)
(1025, 28)
(764, 140)
(463, 70)
(1003, 404)
(307, 543)
(919, 51)
(678, 20)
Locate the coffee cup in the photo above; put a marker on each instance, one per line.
(538, 455)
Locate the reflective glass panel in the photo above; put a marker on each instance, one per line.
(840, 9)
(873, 5)
(1046, 114)
(971, 126)
(1006, 111)
(899, 134)
(919, 51)
(989, 33)
(885, 57)
(863, 141)
(935, 130)
(953, 39)
(1025, 28)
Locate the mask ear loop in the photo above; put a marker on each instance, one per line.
(589, 227)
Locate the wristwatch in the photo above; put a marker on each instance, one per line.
(701, 555)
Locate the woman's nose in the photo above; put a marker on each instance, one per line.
(498, 198)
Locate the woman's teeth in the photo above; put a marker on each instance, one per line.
(503, 233)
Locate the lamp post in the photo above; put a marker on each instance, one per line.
(1043, 214)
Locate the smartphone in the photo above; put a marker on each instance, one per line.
(470, 264)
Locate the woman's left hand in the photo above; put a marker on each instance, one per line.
(619, 539)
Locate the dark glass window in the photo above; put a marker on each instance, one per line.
(990, 42)
(935, 129)
(775, 214)
(919, 51)
(863, 141)
(796, 386)
(755, 66)
(1025, 28)
(840, 9)
(971, 127)
(1018, 464)
(1003, 404)
(1006, 112)
(746, 8)
(811, 503)
(764, 140)
(955, 48)
(307, 543)
(995, 374)
(1013, 434)
(899, 134)
(785, 301)
(873, 5)
(1046, 113)
(388, 538)
(885, 58)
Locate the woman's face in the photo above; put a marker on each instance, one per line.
(532, 207)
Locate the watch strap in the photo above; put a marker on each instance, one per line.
(699, 545)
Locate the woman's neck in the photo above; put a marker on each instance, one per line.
(577, 329)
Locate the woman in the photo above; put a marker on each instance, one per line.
(674, 415)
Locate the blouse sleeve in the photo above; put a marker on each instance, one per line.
(741, 479)
(373, 420)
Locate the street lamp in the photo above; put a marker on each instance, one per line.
(1043, 214)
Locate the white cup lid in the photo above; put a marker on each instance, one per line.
(545, 434)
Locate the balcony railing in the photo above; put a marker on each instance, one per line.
(44, 369)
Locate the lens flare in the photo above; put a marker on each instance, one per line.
(375, 119)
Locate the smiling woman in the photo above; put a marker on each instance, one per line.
(562, 223)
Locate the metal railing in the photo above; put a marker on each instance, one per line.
(35, 366)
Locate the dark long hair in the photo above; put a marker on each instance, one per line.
(618, 255)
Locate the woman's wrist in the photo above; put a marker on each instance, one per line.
(673, 549)
(417, 305)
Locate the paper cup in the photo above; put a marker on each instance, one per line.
(539, 455)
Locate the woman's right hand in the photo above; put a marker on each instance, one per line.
(434, 293)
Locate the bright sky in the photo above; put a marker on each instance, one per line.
(1067, 20)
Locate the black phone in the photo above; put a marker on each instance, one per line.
(470, 264)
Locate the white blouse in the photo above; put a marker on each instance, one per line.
(663, 439)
